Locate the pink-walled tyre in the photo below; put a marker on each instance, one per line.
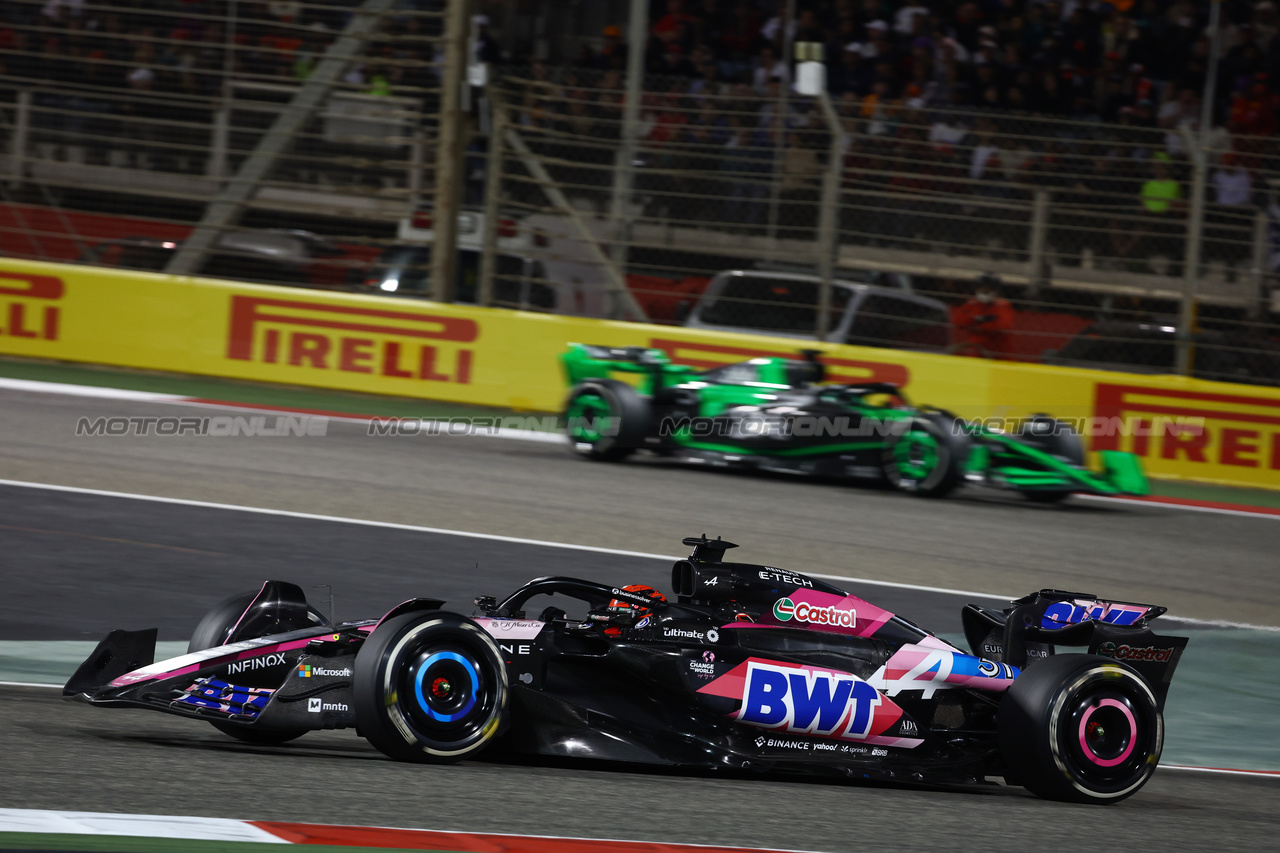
(1080, 728)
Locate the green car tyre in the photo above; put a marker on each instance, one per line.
(923, 458)
(606, 420)
(1059, 440)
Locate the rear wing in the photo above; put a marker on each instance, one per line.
(1033, 625)
(588, 361)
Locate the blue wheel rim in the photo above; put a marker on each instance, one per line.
(427, 665)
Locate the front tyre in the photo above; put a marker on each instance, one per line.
(430, 687)
(1080, 728)
(605, 419)
(1057, 438)
(922, 458)
(214, 629)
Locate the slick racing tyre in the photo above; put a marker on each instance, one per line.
(606, 419)
(215, 628)
(923, 458)
(430, 687)
(1056, 438)
(1080, 728)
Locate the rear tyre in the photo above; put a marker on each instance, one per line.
(605, 420)
(1056, 438)
(430, 687)
(1080, 728)
(923, 459)
(214, 629)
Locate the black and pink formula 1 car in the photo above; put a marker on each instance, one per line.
(744, 667)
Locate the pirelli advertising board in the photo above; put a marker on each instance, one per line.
(1182, 428)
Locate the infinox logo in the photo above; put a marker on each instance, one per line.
(784, 610)
(1240, 430)
(1135, 653)
(322, 336)
(25, 311)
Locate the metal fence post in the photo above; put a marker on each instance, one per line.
(21, 133)
(217, 168)
(492, 191)
(1037, 263)
(624, 172)
(827, 243)
(1258, 262)
(1191, 260)
(449, 154)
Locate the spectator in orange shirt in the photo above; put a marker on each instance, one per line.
(982, 321)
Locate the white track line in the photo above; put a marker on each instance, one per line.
(1186, 507)
(35, 387)
(335, 518)
(516, 540)
(148, 826)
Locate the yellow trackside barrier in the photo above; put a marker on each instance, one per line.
(1182, 428)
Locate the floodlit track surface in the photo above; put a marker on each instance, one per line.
(76, 565)
(60, 755)
(1198, 564)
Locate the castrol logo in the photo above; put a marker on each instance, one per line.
(784, 610)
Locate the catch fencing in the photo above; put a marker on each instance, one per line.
(299, 143)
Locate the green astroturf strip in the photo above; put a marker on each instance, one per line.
(72, 843)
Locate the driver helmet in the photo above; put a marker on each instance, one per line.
(617, 605)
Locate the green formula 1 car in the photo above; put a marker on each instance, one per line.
(777, 414)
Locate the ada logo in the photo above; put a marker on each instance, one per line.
(840, 705)
(784, 610)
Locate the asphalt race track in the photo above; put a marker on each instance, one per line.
(75, 565)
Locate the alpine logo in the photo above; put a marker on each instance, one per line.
(1136, 653)
(274, 659)
(829, 704)
(784, 610)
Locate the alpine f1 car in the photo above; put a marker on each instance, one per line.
(745, 667)
(777, 414)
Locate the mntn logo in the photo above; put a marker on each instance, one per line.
(800, 700)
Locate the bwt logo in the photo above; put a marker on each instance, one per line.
(799, 700)
(21, 316)
(396, 344)
(1242, 430)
